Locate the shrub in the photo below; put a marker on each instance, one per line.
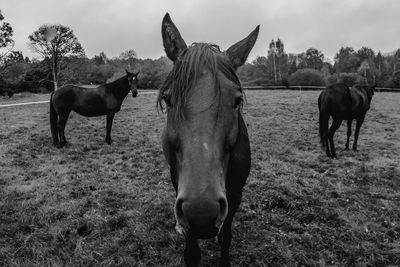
(393, 81)
(307, 77)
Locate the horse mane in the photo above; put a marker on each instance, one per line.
(186, 71)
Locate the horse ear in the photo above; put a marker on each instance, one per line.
(137, 73)
(127, 72)
(172, 40)
(239, 52)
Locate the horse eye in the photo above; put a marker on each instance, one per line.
(238, 102)
(167, 99)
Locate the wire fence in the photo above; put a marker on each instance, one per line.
(310, 88)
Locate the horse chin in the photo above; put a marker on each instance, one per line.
(134, 94)
(180, 229)
(204, 233)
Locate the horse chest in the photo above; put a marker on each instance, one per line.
(112, 104)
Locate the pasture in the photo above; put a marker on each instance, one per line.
(91, 204)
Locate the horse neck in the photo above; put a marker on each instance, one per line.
(119, 88)
(368, 94)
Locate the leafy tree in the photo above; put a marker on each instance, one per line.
(262, 71)
(365, 53)
(392, 70)
(396, 62)
(255, 73)
(55, 42)
(14, 57)
(367, 66)
(153, 72)
(293, 67)
(326, 69)
(128, 54)
(100, 59)
(248, 73)
(346, 60)
(380, 65)
(314, 59)
(272, 53)
(368, 70)
(379, 61)
(6, 42)
(300, 60)
(130, 57)
(282, 59)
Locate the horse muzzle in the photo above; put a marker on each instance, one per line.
(200, 218)
(134, 93)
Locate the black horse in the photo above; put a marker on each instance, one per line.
(89, 101)
(342, 103)
(205, 139)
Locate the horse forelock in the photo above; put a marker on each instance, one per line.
(187, 70)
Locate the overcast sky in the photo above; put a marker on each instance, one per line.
(113, 26)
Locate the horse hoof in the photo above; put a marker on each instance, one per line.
(63, 144)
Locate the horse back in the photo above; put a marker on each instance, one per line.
(86, 101)
(336, 101)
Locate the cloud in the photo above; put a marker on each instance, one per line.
(115, 26)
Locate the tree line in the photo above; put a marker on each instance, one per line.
(63, 60)
(349, 66)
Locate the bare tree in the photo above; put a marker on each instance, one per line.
(55, 42)
(6, 42)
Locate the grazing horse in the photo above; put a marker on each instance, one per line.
(342, 103)
(205, 139)
(89, 101)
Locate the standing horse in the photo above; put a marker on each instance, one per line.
(205, 139)
(342, 103)
(89, 101)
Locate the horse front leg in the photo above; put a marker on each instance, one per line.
(224, 240)
(359, 122)
(225, 235)
(110, 118)
(192, 253)
(61, 122)
(348, 133)
(335, 125)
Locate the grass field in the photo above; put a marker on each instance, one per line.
(91, 204)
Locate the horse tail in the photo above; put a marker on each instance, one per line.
(53, 120)
(323, 122)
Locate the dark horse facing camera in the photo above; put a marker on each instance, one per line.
(342, 103)
(89, 101)
(205, 139)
